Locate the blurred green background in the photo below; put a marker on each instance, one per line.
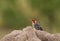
(17, 14)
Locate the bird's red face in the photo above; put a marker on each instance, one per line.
(34, 21)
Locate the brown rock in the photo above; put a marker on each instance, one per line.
(30, 34)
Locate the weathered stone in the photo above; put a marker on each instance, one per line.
(30, 34)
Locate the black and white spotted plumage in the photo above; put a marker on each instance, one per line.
(36, 25)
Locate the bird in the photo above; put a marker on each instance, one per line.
(36, 25)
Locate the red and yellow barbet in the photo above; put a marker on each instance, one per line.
(36, 25)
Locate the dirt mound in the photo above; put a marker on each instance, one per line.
(30, 34)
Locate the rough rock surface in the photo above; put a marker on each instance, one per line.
(30, 34)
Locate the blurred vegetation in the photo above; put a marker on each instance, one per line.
(17, 14)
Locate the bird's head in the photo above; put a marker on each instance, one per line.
(34, 21)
